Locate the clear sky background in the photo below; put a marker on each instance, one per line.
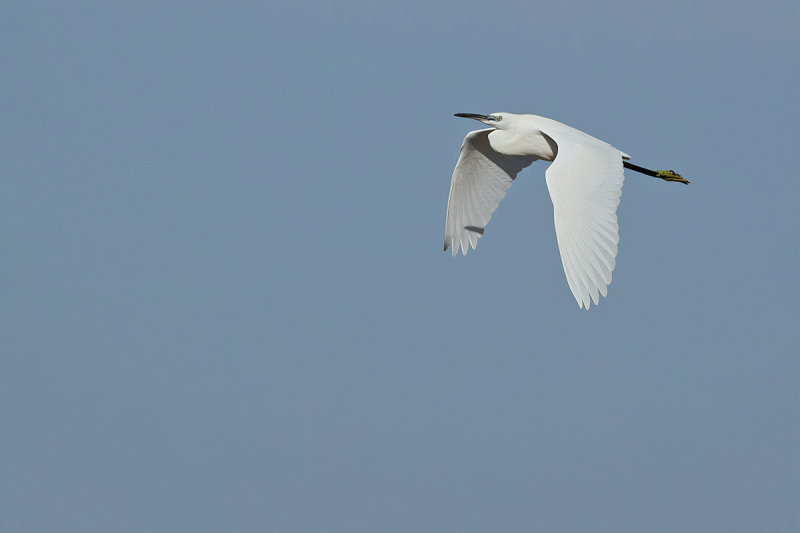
(224, 305)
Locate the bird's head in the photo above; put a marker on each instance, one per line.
(495, 120)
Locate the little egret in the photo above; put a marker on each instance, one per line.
(584, 180)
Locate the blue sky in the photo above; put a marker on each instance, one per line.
(224, 304)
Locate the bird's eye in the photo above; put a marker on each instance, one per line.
(498, 118)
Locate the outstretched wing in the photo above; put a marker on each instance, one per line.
(480, 180)
(585, 184)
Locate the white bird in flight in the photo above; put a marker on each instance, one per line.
(584, 180)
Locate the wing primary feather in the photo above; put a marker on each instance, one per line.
(585, 184)
(480, 180)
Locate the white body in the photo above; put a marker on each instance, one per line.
(584, 180)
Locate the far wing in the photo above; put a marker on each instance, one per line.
(585, 184)
(480, 180)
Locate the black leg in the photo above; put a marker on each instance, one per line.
(666, 175)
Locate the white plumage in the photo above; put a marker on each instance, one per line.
(584, 180)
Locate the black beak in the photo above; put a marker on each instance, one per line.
(474, 116)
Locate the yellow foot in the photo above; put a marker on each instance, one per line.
(671, 175)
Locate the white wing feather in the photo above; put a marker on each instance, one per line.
(480, 180)
(585, 184)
